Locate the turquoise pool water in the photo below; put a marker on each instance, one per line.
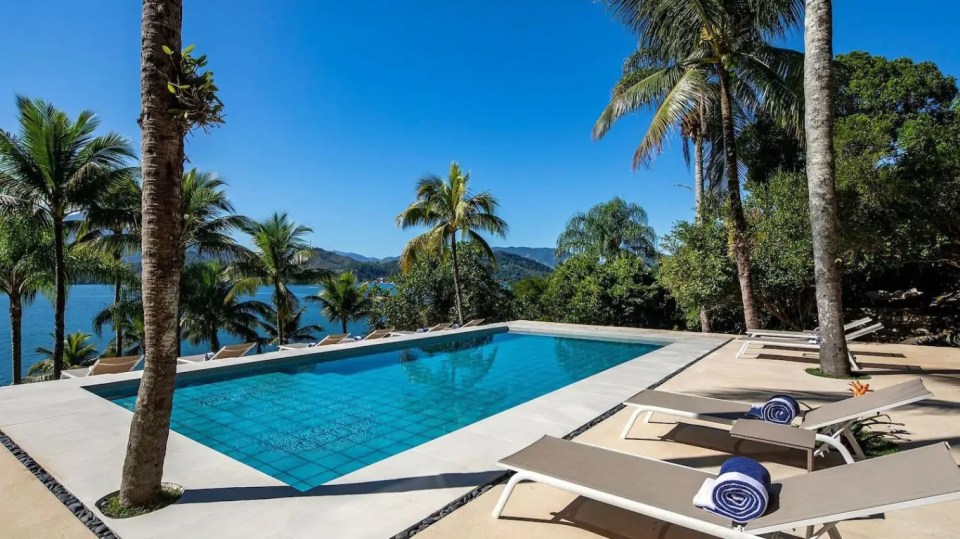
(310, 423)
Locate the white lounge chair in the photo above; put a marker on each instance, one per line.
(335, 338)
(104, 365)
(812, 344)
(378, 334)
(830, 422)
(439, 327)
(227, 352)
(472, 323)
(665, 491)
(805, 334)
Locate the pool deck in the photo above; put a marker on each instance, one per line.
(80, 439)
(540, 512)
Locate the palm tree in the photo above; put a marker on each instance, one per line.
(607, 231)
(689, 43)
(211, 303)
(280, 257)
(819, 120)
(209, 217)
(77, 352)
(54, 168)
(342, 299)
(162, 135)
(127, 315)
(112, 225)
(448, 207)
(292, 329)
(21, 276)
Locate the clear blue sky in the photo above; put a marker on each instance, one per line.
(334, 109)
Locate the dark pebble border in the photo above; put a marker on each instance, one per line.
(466, 498)
(86, 516)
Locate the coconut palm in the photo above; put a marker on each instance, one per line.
(21, 275)
(112, 225)
(211, 302)
(56, 167)
(607, 231)
(127, 314)
(209, 217)
(280, 257)
(292, 330)
(77, 352)
(448, 207)
(343, 299)
(690, 45)
(821, 169)
(162, 134)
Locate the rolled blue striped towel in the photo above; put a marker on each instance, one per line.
(780, 409)
(741, 492)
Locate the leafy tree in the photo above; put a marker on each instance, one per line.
(687, 41)
(607, 231)
(78, 351)
(211, 303)
(424, 294)
(343, 299)
(448, 207)
(698, 271)
(280, 258)
(52, 169)
(22, 274)
(620, 292)
(527, 295)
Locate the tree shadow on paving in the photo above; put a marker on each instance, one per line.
(816, 398)
(402, 484)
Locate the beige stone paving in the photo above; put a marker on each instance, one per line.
(540, 512)
(28, 509)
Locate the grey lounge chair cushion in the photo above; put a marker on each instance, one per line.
(691, 404)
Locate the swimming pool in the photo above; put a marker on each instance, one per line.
(308, 422)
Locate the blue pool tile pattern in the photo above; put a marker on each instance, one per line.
(309, 423)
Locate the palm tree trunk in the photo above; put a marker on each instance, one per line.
(456, 278)
(818, 125)
(162, 164)
(698, 184)
(281, 319)
(60, 299)
(214, 340)
(16, 339)
(117, 319)
(738, 223)
(343, 323)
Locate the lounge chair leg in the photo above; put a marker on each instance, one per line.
(649, 417)
(743, 349)
(852, 440)
(854, 366)
(632, 421)
(836, 444)
(507, 491)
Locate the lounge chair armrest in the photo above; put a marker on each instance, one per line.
(774, 433)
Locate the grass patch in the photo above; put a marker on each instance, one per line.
(815, 371)
(110, 505)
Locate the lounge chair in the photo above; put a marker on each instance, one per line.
(439, 327)
(665, 491)
(805, 334)
(812, 344)
(335, 338)
(227, 352)
(104, 365)
(830, 421)
(472, 323)
(378, 334)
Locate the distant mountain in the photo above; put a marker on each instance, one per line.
(357, 257)
(544, 255)
(367, 269)
(511, 268)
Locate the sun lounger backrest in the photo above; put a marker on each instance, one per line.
(233, 350)
(835, 413)
(906, 479)
(854, 335)
(112, 365)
